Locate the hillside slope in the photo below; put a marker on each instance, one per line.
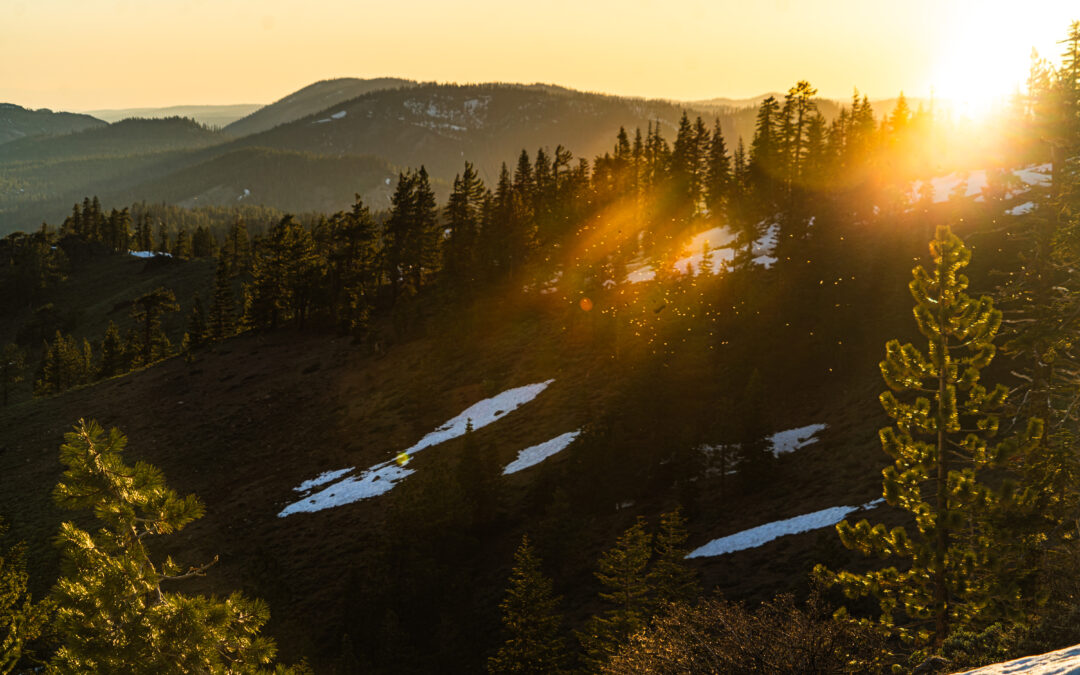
(247, 422)
(441, 126)
(311, 99)
(17, 122)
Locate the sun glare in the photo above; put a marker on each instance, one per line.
(986, 59)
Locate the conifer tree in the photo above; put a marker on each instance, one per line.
(65, 365)
(718, 181)
(623, 574)
(670, 579)
(531, 620)
(237, 249)
(943, 444)
(12, 365)
(195, 336)
(144, 236)
(117, 611)
(182, 246)
(221, 320)
(113, 355)
(21, 619)
(463, 217)
(146, 312)
(163, 246)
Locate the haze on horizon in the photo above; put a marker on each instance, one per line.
(95, 54)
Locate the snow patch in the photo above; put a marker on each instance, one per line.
(481, 414)
(793, 439)
(322, 479)
(1026, 207)
(720, 241)
(538, 453)
(382, 477)
(1059, 662)
(339, 114)
(149, 254)
(1035, 175)
(377, 480)
(762, 534)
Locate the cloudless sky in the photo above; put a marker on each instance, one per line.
(87, 54)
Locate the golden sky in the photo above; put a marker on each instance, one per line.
(87, 54)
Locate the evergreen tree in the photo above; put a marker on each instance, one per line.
(116, 612)
(463, 218)
(21, 619)
(948, 445)
(531, 620)
(146, 312)
(763, 164)
(670, 579)
(144, 236)
(237, 249)
(622, 572)
(12, 367)
(197, 329)
(65, 365)
(182, 246)
(114, 357)
(718, 181)
(221, 320)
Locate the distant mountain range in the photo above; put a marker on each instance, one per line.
(210, 115)
(316, 147)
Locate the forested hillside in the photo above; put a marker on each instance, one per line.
(501, 395)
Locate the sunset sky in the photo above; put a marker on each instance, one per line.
(87, 54)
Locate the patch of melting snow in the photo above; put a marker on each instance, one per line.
(339, 114)
(534, 455)
(793, 439)
(1021, 209)
(149, 254)
(481, 414)
(322, 479)
(1058, 662)
(377, 480)
(720, 241)
(382, 477)
(763, 534)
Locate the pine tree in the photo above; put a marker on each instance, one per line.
(945, 446)
(114, 358)
(221, 320)
(237, 249)
(622, 572)
(21, 619)
(479, 474)
(146, 312)
(12, 367)
(65, 365)
(195, 336)
(763, 164)
(670, 579)
(116, 612)
(531, 620)
(464, 219)
(182, 246)
(718, 181)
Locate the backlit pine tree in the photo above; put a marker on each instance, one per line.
(116, 610)
(623, 574)
(531, 620)
(943, 444)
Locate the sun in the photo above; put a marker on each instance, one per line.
(986, 55)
